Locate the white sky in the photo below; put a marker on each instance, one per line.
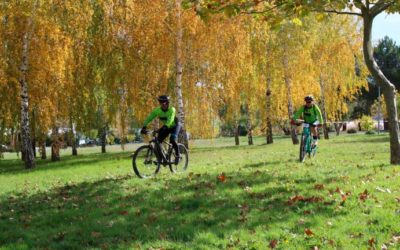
(386, 25)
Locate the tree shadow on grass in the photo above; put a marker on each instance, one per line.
(372, 139)
(17, 166)
(125, 212)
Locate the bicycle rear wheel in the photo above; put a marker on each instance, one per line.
(183, 161)
(302, 154)
(145, 163)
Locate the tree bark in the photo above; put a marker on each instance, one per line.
(237, 142)
(26, 143)
(338, 126)
(249, 127)
(388, 89)
(323, 109)
(73, 137)
(2, 128)
(103, 139)
(288, 82)
(179, 71)
(42, 146)
(268, 110)
(55, 145)
(34, 133)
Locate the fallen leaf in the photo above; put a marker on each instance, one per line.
(95, 234)
(319, 186)
(308, 232)
(273, 243)
(396, 238)
(371, 242)
(221, 177)
(364, 195)
(124, 212)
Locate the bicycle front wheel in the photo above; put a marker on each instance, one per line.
(183, 162)
(145, 163)
(302, 154)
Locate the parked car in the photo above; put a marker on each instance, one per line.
(5, 148)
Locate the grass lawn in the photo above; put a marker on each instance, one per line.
(348, 197)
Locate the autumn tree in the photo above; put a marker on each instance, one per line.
(366, 10)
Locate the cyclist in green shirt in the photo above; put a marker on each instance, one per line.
(171, 125)
(311, 114)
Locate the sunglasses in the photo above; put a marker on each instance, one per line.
(164, 102)
(308, 101)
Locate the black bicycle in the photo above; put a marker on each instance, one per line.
(147, 159)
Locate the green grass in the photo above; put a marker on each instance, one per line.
(94, 201)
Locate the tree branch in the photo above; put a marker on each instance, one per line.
(379, 7)
(339, 12)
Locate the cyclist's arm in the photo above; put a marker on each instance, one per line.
(171, 118)
(298, 113)
(151, 117)
(319, 115)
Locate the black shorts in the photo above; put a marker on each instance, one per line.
(164, 132)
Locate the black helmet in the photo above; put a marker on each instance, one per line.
(163, 98)
(309, 98)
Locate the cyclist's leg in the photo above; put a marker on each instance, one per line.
(162, 134)
(314, 132)
(173, 140)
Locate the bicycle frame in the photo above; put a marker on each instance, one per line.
(165, 155)
(307, 139)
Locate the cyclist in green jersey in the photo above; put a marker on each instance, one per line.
(171, 125)
(311, 114)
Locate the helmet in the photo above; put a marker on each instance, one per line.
(163, 98)
(309, 98)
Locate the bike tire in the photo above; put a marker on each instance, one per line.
(145, 163)
(184, 161)
(302, 154)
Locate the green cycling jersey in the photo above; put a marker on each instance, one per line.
(168, 117)
(310, 115)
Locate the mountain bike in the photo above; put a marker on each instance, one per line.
(147, 159)
(306, 147)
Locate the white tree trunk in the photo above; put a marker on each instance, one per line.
(288, 82)
(323, 108)
(26, 144)
(179, 71)
(388, 89)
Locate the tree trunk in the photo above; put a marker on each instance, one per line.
(249, 127)
(103, 138)
(42, 147)
(2, 139)
(33, 136)
(268, 110)
(338, 126)
(26, 143)
(237, 142)
(55, 145)
(323, 109)
(73, 138)
(179, 71)
(389, 90)
(288, 82)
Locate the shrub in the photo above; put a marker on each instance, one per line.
(352, 131)
(130, 137)
(370, 132)
(366, 123)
